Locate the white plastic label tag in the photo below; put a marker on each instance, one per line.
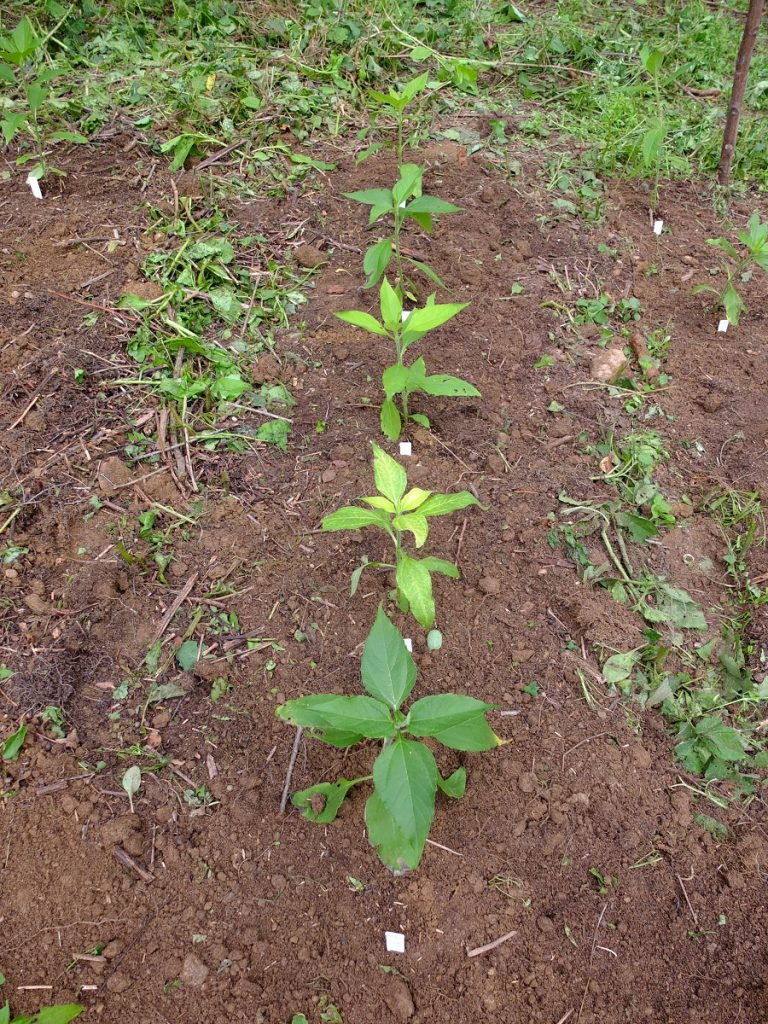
(658, 225)
(395, 942)
(408, 644)
(406, 448)
(722, 327)
(34, 185)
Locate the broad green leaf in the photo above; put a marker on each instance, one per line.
(372, 197)
(7, 75)
(416, 524)
(11, 124)
(36, 95)
(408, 184)
(424, 220)
(442, 566)
(443, 504)
(378, 501)
(651, 60)
(415, 584)
(455, 720)
(427, 270)
(188, 654)
(395, 379)
(725, 246)
(65, 136)
(394, 850)
(620, 666)
(428, 318)
(226, 303)
(724, 741)
(387, 669)
(430, 204)
(733, 304)
(5, 1013)
(455, 785)
(341, 738)
(640, 528)
(330, 711)
(58, 1014)
(229, 387)
(21, 43)
(415, 86)
(358, 318)
(390, 477)
(353, 518)
(390, 419)
(453, 387)
(131, 782)
(390, 304)
(415, 497)
(676, 605)
(376, 260)
(652, 141)
(405, 777)
(332, 795)
(14, 743)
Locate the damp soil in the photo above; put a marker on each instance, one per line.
(232, 911)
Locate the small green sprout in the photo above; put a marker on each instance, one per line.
(404, 330)
(738, 268)
(396, 511)
(405, 776)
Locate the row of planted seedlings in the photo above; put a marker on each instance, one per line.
(405, 776)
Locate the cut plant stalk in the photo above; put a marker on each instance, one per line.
(403, 379)
(397, 511)
(405, 776)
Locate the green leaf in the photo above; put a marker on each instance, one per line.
(428, 318)
(376, 260)
(390, 420)
(415, 497)
(390, 477)
(226, 303)
(65, 136)
(5, 1013)
(394, 850)
(58, 1014)
(415, 523)
(131, 782)
(640, 528)
(651, 60)
(395, 379)
(415, 86)
(455, 785)
(332, 793)
(353, 518)
(676, 605)
(455, 720)
(620, 666)
(442, 566)
(11, 124)
(372, 197)
(453, 387)
(228, 387)
(390, 304)
(652, 142)
(405, 777)
(7, 75)
(14, 743)
(378, 501)
(387, 669)
(415, 584)
(733, 304)
(431, 204)
(360, 319)
(329, 711)
(187, 654)
(35, 96)
(408, 184)
(21, 43)
(426, 270)
(421, 419)
(724, 741)
(443, 504)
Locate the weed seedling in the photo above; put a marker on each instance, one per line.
(403, 201)
(738, 267)
(399, 811)
(61, 1014)
(653, 140)
(401, 379)
(396, 512)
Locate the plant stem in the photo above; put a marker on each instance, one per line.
(615, 559)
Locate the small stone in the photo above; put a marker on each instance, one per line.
(309, 256)
(399, 999)
(328, 475)
(606, 366)
(527, 783)
(641, 756)
(490, 585)
(712, 402)
(118, 983)
(580, 801)
(112, 948)
(545, 924)
(194, 972)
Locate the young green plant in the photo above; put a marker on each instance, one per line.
(397, 511)
(738, 267)
(653, 140)
(403, 330)
(404, 201)
(405, 776)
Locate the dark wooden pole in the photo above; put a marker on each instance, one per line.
(746, 49)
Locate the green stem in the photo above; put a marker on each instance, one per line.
(398, 256)
(615, 559)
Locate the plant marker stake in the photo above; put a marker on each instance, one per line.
(405, 448)
(722, 327)
(34, 185)
(408, 644)
(395, 942)
(657, 226)
(404, 315)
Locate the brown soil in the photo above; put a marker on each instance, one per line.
(237, 913)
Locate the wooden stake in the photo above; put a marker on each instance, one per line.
(746, 49)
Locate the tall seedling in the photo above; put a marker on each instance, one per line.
(398, 511)
(403, 379)
(405, 776)
(403, 201)
(738, 266)
(653, 140)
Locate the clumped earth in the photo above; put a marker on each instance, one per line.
(578, 835)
